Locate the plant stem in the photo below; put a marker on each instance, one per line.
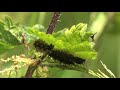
(50, 30)
(53, 22)
(34, 66)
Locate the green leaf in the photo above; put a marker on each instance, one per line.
(2, 23)
(6, 34)
(5, 47)
(8, 22)
(75, 41)
(38, 27)
(9, 38)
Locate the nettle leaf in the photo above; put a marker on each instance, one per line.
(86, 55)
(5, 47)
(59, 44)
(38, 27)
(6, 35)
(8, 22)
(9, 38)
(74, 42)
(2, 23)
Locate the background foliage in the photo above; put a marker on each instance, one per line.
(106, 24)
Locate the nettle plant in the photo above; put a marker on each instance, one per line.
(31, 51)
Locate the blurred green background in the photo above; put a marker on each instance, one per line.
(107, 39)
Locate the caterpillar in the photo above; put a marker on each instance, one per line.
(61, 56)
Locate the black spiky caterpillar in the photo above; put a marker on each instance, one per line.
(56, 54)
